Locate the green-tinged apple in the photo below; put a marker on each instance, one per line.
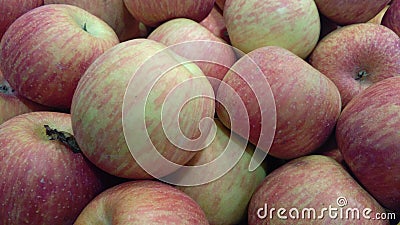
(44, 52)
(113, 12)
(142, 202)
(291, 24)
(12, 104)
(123, 85)
(378, 18)
(215, 23)
(152, 13)
(368, 137)
(344, 12)
(307, 103)
(43, 180)
(356, 56)
(214, 55)
(391, 18)
(10, 10)
(225, 200)
(312, 190)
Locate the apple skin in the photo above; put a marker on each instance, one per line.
(220, 3)
(97, 108)
(307, 103)
(113, 12)
(152, 13)
(291, 24)
(316, 182)
(225, 200)
(331, 149)
(142, 202)
(182, 30)
(12, 9)
(391, 19)
(368, 137)
(346, 52)
(12, 104)
(43, 181)
(344, 12)
(215, 23)
(44, 52)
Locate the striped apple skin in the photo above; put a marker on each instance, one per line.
(42, 180)
(99, 98)
(12, 9)
(142, 202)
(45, 52)
(315, 182)
(368, 134)
(153, 13)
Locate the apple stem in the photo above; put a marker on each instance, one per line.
(84, 27)
(63, 137)
(5, 88)
(361, 74)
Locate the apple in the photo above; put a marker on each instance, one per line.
(225, 199)
(291, 24)
(307, 103)
(12, 9)
(356, 56)
(215, 23)
(345, 12)
(392, 17)
(13, 104)
(152, 13)
(43, 180)
(44, 52)
(368, 138)
(327, 26)
(206, 48)
(120, 109)
(142, 202)
(113, 12)
(378, 18)
(312, 189)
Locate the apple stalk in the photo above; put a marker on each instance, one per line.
(64, 137)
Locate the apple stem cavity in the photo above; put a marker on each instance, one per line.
(63, 137)
(361, 74)
(5, 88)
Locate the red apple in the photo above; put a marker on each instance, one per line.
(368, 137)
(142, 202)
(391, 18)
(291, 24)
(344, 12)
(120, 109)
(113, 12)
(215, 23)
(43, 180)
(356, 56)
(225, 199)
(152, 13)
(205, 47)
(10, 10)
(44, 53)
(312, 190)
(13, 104)
(307, 102)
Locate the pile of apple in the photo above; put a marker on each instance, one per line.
(199, 111)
